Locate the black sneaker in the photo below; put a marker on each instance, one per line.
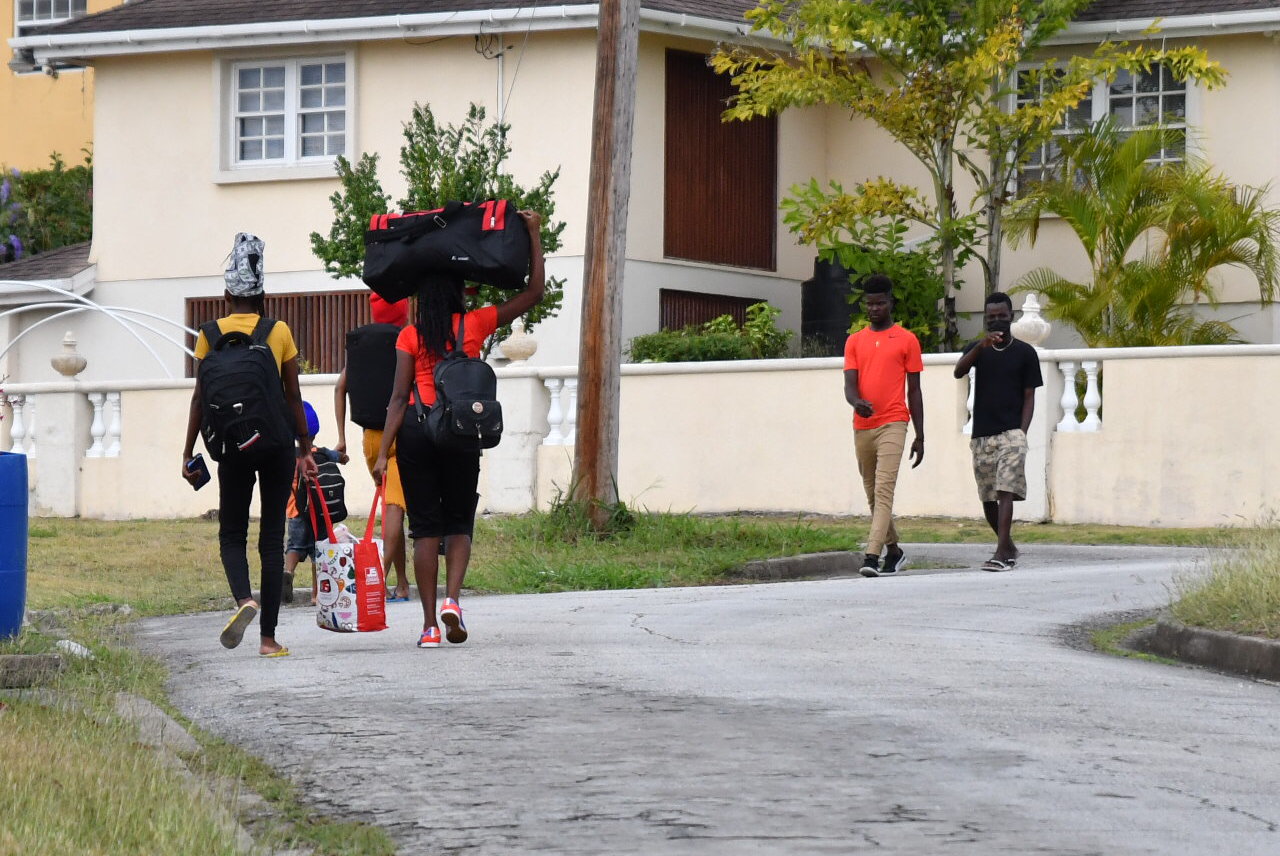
(870, 566)
(893, 564)
(286, 590)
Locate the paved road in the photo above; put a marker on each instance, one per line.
(938, 712)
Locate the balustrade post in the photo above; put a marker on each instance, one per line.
(17, 429)
(1092, 397)
(97, 427)
(555, 416)
(29, 417)
(571, 412)
(1068, 402)
(113, 425)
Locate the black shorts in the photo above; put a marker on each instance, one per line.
(439, 484)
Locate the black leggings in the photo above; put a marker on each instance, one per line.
(235, 491)
(439, 484)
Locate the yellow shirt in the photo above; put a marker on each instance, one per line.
(280, 340)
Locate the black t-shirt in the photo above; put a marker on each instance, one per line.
(1001, 378)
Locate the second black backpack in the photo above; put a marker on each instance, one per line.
(466, 415)
(330, 487)
(371, 372)
(241, 395)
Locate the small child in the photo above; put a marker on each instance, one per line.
(301, 539)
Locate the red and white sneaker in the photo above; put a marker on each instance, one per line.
(430, 638)
(451, 615)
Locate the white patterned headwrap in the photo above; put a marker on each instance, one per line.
(243, 275)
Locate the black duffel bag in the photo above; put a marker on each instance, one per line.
(485, 242)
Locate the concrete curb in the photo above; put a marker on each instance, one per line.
(803, 566)
(1229, 652)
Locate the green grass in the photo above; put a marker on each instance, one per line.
(1111, 639)
(76, 779)
(1239, 593)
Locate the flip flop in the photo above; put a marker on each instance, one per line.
(233, 632)
(997, 565)
(397, 599)
(283, 652)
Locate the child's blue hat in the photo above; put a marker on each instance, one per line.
(313, 421)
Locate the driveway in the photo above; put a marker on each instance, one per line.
(940, 711)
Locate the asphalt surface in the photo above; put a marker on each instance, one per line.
(942, 711)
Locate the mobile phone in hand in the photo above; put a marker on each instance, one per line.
(197, 465)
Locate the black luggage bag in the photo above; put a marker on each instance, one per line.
(485, 242)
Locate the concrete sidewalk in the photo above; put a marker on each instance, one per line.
(939, 710)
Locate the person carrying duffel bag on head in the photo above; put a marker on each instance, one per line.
(440, 483)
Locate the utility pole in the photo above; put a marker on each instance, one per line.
(595, 462)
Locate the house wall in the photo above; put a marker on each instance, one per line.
(164, 220)
(171, 192)
(43, 114)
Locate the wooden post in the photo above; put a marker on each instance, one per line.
(595, 462)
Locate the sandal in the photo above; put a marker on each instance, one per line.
(997, 565)
(283, 652)
(233, 632)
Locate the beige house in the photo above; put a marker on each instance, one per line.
(214, 116)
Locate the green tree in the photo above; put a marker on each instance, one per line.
(942, 87)
(43, 209)
(440, 163)
(1156, 238)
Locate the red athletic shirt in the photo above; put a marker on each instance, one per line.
(480, 325)
(883, 359)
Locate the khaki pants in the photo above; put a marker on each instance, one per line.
(879, 452)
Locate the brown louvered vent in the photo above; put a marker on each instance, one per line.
(319, 321)
(679, 309)
(721, 189)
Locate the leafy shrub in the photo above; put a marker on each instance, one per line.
(690, 345)
(43, 209)
(917, 285)
(718, 339)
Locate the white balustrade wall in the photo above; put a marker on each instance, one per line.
(1178, 447)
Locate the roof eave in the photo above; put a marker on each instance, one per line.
(51, 48)
(1180, 26)
(32, 292)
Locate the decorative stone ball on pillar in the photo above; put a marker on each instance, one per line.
(68, 363)
(1031, 327)
(519, 346)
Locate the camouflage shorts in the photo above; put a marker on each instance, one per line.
(999, 463)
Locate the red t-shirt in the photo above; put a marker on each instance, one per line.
(883, 359)
(480, 325)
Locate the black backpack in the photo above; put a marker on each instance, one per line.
(466, 415)
(329, 486)
(241, 396)
(371, 372)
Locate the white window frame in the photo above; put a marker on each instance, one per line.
(36, 20)
(1065, 129)
(292, 165)
(1101, 100)
(22, 27)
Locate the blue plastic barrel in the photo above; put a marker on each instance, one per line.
(13, 542)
